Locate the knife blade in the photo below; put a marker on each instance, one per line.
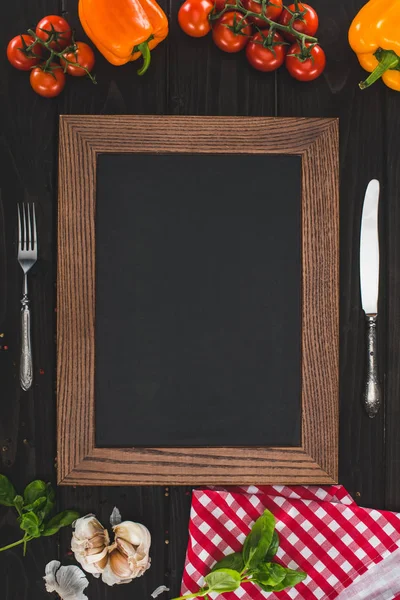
(369, 286)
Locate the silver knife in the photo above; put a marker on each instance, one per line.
(369, 283)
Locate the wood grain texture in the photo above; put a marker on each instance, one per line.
(119, 91)
(188, 77)
(81, 139)
(362, 155)
(389, 321)
(179, 510)
(143, 505)
(205, 81)
(28, 132)
(320, 328)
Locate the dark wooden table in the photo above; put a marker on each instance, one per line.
(187, 77)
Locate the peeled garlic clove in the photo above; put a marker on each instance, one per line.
(138, 561)
(134, 533)
(110, 578)
(119, 559)
(135, 540)
(94, 563)
(90, 544)
(125, 561)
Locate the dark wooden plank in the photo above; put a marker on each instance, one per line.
(390, 297)
(141, 505)
(179, 511)
(119, 91)
(336, 93)
(27, 155)
(203, 80)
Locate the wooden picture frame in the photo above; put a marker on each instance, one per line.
(80, 462)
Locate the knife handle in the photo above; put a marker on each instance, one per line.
(372, 390)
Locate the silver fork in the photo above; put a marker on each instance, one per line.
(27, 256)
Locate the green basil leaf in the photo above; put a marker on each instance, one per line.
(269, 574)
(231, 561)
(29, 522)
(63, 519)
(34, 490)
(223, 580)
(18, 503)
(36, 506)
(50, 503)
(259, 540)
(7, 491)
(273, 548)
(291, 578)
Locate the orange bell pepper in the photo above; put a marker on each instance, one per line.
(124, 30)
(374, 36)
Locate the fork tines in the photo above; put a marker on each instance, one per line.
(27, 227)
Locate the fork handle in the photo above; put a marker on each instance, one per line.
(25, 368)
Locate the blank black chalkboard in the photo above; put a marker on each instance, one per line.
(198, 300)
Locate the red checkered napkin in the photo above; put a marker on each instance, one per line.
(322, 532)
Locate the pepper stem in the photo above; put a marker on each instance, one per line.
(387, 60)
(145, 50)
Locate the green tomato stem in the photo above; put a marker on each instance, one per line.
(248, 13)
(71, 62)
(60, 55)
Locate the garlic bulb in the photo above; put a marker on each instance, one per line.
(120, 562)
(90, 544)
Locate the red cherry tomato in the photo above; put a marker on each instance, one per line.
(220, 5)
(307, 24)
(273, 10)
(308, 69)
(57, 28)
(48, 83)
(83, 55)
(263, 58)
(228, 40)
(193, 17)
(20, 59)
